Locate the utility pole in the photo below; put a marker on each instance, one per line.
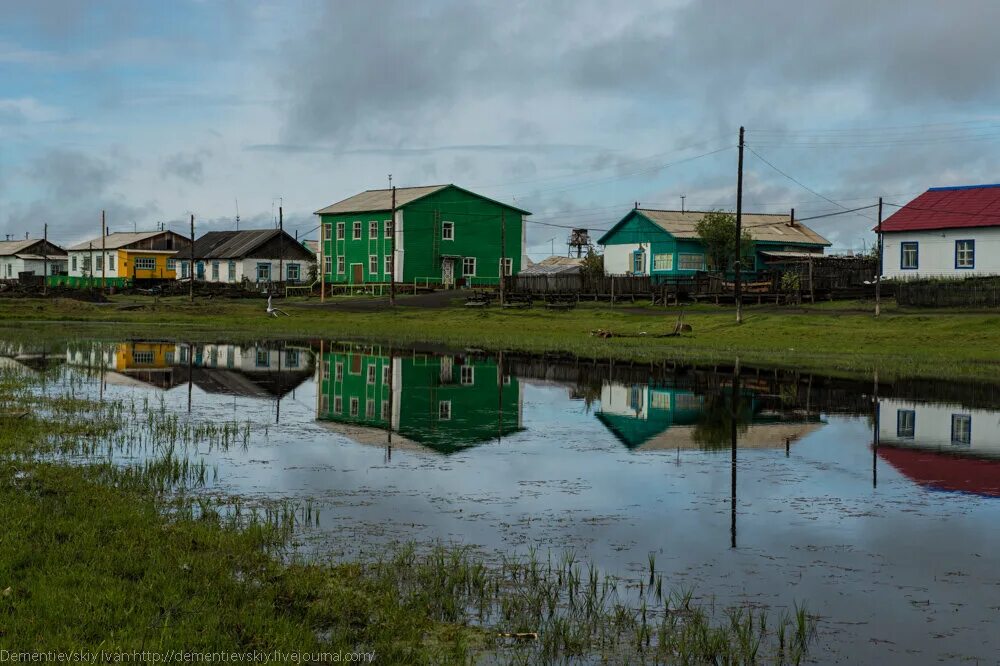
(321, 263)
(104, 257)
(503, 253)
(737, 285)
(191, 270)
(281, 243)
(392, 250)
(45, 259)
(878, 277)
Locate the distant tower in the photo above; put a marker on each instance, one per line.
(579, 239)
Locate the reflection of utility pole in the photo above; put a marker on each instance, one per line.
(190, 369)
(388, 425)
(875, 432)
(277, 411)
(733, 434)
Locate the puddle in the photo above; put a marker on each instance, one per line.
(878, 511)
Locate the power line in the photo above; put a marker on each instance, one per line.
(799, 183)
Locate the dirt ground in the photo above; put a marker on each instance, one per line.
(430, 301)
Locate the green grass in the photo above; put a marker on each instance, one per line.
(123, 557)
(837, 338)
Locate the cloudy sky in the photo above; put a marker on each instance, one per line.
(569, 108)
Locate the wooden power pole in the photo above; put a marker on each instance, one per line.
(503, 253)
(104, 256)
(45, 259)
(878, 266)
(737, 285)
(191, 267)
(392, 264)
(281, 244)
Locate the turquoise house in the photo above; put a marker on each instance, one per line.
(665, 243)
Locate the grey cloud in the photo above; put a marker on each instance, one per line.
(188, 167)
(70, 174)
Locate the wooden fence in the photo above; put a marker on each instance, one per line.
(582, 285)
(967, 293)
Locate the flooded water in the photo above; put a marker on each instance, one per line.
(876, 505)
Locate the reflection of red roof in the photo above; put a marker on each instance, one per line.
(948, 208)
(942, 471)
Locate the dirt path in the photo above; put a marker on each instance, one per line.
(434, 300)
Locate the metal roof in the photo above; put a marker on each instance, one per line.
(376, 200)
(372, 201)
(762, 227)
(231, 244)
(18, 246)
(116, 240)
(553, 266)
(948, 208)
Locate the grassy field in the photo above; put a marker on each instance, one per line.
(835, 338)
(130, 557)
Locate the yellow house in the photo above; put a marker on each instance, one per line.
(143, 255)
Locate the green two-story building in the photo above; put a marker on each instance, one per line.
(442, 236)
(665, 244)
(445, 403)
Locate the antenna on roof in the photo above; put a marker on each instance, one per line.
(390, 181)
(237, 214)
(636, 205)
(683, 197)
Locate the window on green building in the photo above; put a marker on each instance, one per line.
(691, 262)
(508, 266)
(340, 231)
(357, 230)
(373, 229)
(373, 264)
(638, 262)
(341, 264)
(388, 228)
(469, 267)
(447, 231)
(663, 262)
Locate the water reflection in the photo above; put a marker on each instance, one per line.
(446, 403)
(831, 491)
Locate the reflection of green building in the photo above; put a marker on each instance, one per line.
(652, 417)
(446, 403)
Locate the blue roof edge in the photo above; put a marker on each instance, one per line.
(962, 187)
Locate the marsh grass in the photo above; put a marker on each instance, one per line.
(109, 540)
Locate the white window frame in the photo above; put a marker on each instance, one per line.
(373, 264)
(327, 264)
(141, 263)
(388, 264)
(444, 410)
(372, 373)
(448, 231)
(681, 256)
(338, 372)
(904, 249)
(356, 230)
(663, 261)
(467, 375)
(341, 231)
(965, 254)
(355, 406)
(507, 266)
(465, 272)
(373, 229)
(338, 404)
(341, 264)
(387, 228)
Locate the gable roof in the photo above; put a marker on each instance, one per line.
(118, 239)
(20, 246)
(235, 244)
(948, 208)
(767, 228)
(371, 201)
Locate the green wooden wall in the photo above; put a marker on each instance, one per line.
(477, 231)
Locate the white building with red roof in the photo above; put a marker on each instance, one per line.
(945, 232)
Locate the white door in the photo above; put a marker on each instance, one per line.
(448, 272)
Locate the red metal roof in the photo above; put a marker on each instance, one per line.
(948, 208)
(945, 472)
